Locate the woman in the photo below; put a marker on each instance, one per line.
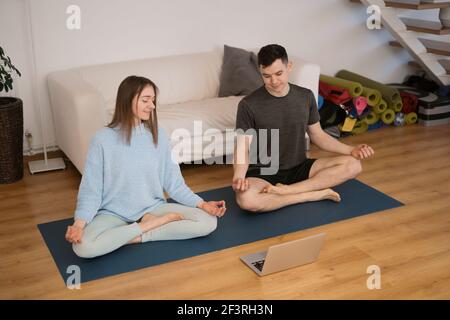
(128, 167)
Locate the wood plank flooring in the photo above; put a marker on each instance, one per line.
(410, 244)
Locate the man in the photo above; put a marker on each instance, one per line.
(293, 111)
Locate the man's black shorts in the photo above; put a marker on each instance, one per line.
(287, 176)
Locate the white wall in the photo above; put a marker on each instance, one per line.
(16, 44)
(331, 33)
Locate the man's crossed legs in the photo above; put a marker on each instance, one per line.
(325, 173)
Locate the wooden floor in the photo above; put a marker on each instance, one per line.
(410, 244)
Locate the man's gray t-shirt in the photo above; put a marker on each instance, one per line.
(290, 114)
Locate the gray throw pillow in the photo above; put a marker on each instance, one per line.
(240, 75)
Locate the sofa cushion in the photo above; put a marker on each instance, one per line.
(240, 75)
(180, 78)
(215, 113)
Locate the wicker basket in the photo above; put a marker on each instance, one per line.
(11, 140)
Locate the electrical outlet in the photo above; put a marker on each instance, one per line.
(29, 139)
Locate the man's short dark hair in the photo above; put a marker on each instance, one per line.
(268, 54)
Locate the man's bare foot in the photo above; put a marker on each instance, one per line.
(329, 194)
(279, 188)
(150, 221)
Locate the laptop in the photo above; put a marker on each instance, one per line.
(285, 255)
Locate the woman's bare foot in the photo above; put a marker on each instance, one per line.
(135, 240)
(150, 221)
(329, 194)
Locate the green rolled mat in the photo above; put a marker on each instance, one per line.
(371, 118)
(355, 89)
(396, 105)
(411, 118)
(389, 94)
(373, 96)
(360, 127)
(388, 116)
(380, 107)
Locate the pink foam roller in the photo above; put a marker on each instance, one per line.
(360, 104)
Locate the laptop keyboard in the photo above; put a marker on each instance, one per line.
(258, 264)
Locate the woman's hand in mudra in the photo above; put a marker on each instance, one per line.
(74, 234)
(214, 208)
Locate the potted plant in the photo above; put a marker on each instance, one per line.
(11, 125)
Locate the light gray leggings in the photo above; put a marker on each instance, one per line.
(106, 233)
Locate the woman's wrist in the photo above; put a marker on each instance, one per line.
(200, 204)
(79, 223)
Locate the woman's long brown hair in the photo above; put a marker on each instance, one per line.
(123, 114)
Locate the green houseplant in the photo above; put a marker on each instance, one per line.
(11, 125)
(6, 70)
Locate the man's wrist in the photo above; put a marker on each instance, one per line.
(238, 176)
(350, 149)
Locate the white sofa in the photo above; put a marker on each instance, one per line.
(83, 99)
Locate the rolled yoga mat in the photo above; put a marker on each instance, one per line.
(377, 125)
(411, 118)
(396, 105)
(373, 96)
(371, 118)
(235, 228)
(388, 116)
(391, 95)
(410, 102)
(360, 127)
(360, 103)
(380, 107)
(355, 89)
(320, 102)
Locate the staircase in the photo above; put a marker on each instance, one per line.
(430, 55)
